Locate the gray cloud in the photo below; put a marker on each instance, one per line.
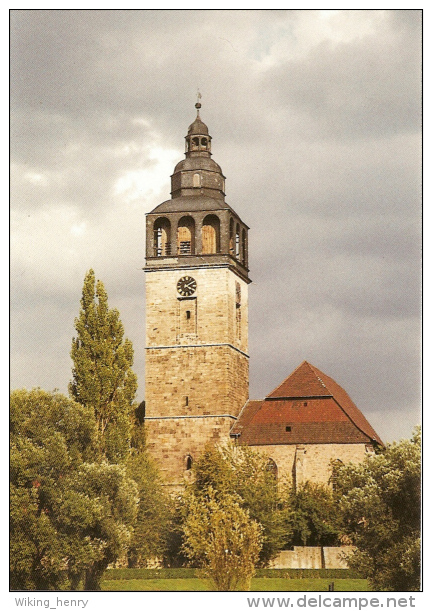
(315, 118)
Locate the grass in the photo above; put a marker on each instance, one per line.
(184, 580)
(184, 573)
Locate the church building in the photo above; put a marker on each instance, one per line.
(197, 362)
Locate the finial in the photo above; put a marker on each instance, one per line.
(198, 103)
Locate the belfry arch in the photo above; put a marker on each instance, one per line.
(162, 237)
(211, 235)
(186, 236)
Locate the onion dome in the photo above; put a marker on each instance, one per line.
(198, 127)
(198, 174)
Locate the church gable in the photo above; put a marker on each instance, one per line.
(303, 382)
(308, 407)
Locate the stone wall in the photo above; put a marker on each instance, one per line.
(335, 557)
(197, 367)
(312, 558)
(172, 440)
(298, 558)
(195, 381)
(297, 464)
(216, 308)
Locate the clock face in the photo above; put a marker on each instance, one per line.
(186, 286)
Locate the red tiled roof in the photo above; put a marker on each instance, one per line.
(303, 382)
(312, 406)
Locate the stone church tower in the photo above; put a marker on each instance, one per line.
(197, 364)
(197, 369)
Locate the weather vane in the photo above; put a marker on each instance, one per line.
(198, 103)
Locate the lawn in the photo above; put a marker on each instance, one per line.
(259, 584)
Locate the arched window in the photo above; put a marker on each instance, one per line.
(196, 180)
(231, 238)
(237, 242)
(162, 237)
(195, 142)
(243, 247)
(186, 236)
(211, 235)
(189, 462)
(204, 142)
(271, 467)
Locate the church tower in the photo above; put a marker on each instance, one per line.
(197, 369)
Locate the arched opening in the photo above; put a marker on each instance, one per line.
(271, 467)
(204, 142)
(195, 142)
(189, 462)
(243, 247)
(237, 242)
(162, 237)
(231, 238)
(186, 236)
(211, 235)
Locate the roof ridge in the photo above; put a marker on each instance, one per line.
(283, 381)
(352, 407)
(312, 370)
(318, 374)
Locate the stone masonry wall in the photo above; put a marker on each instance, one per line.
(215, 302)
(170, 441)
(313, 558)
(311, 462)
(197, 368)
(200, 380)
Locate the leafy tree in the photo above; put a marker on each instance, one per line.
(155, 506)
(50, 437)
(313, 517)
(380, 501)
(223, 539)
(174, 555)
(69, 517)
(110, 500)
(239, 469)
(103, 380)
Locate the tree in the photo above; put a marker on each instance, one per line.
(111, 501)
(223, 539)
(69, 517)
(313, 517)
(380, 501)
(239, 469)
(103, 380)
(50, 436)
(155, 506)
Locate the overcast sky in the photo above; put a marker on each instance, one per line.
(315, 119)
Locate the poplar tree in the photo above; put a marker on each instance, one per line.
(103, 380)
